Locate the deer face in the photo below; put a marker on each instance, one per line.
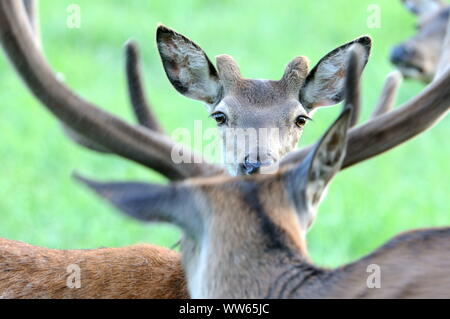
(418, 57)
(263, 120)
(241, 231)
(259, 120)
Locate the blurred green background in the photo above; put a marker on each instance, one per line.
(366, 205)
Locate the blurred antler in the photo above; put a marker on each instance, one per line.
(388, 95)
(444, 60)
(31, 6)
(138, 99)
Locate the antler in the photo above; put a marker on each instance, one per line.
(444, 59)
(394, 128)
(141, 145)
(31, 9)
(388, 94)
(138, 99)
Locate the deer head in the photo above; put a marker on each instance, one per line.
(259, 120)
(418, 57)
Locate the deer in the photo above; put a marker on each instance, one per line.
(425, 55)
(245, 235)
(235, 102)
(149, 145)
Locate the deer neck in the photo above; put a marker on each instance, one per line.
(249, 273)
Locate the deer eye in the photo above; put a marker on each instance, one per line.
(220, 118)
(300, 121)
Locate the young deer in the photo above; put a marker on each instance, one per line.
(147, 144)
(245, 236)
(139, 271)
(251, 105)
(425, 54)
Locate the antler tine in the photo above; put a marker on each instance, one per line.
(388, 94)
(138, 144)
(83, 140)
(444, 59)
(142, 108)
(394, 128)
(352, 83)
(31, 9)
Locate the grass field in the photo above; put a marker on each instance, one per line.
(366, 205)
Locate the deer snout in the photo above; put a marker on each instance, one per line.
(250, 167)
(401, 54)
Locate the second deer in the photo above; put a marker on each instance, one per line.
(426, 54)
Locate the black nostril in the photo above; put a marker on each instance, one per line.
(250, 167)
(400, 54)
(396, 54)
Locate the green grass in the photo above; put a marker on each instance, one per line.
(366, 205)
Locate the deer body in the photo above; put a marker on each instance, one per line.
(414, 264)
(245, 237)
(139, 271)
(269, 259)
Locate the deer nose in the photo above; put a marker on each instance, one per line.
(401, 54)
(250, 167)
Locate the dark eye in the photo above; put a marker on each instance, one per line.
(300, 121)
(220, 118)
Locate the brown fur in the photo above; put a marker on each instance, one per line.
(414, 264)
(139, 271)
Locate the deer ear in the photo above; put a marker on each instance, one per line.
(150, 202)
(423, 7)
(326, 160)
(307, 182)
(187, 66)
(325, 84)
